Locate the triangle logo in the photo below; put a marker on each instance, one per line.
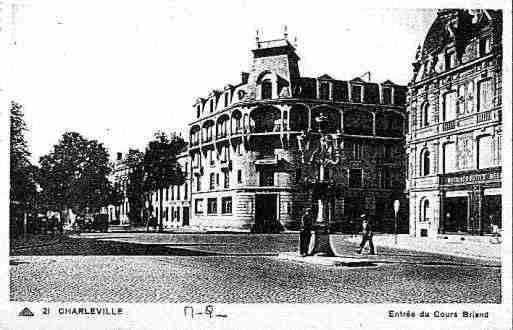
(26, 312)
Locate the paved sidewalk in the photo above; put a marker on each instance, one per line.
(33, 240)
(452, 246)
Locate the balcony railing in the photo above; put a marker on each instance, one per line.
(448, 125)
(266, 159)
(484, 116)
(266, 128)
(385, 160)
(222, 134)
(427, 181)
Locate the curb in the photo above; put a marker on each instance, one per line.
(345, 260)
(23, 247)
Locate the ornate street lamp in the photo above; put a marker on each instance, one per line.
(326, 155)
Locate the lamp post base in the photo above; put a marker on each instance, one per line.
(320, 243)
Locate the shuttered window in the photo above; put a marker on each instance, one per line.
(485, 95)
(485, 153)
(450, 106)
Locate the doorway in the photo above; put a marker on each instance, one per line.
(492, 209)
(185, 217)
(456, 214)
(265, 213)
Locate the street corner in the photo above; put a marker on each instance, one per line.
(336, 261)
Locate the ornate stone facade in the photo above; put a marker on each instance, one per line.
(454, 134)
(246, 171)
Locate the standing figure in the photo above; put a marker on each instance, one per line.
(366, 235)
(306, 232)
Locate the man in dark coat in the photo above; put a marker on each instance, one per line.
(366, 235)
(306, 232)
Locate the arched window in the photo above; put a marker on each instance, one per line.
(267, 89)
(425, 210)
(426, 117)
(425, 163)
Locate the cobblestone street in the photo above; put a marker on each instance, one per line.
(235, 268)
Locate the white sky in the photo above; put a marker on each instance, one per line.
(117, 71)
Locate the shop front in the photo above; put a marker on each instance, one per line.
(470, 202)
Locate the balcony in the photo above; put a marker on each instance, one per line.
(274, 128)
(484, 116)
(448, 125)
(426, 181)
(427, 131)
(266, 160)
(222, 134)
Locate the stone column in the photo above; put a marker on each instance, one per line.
(480, 202)
(436, 157)
(309, 112)
(441, 224)
(374, 124)
(342, 121)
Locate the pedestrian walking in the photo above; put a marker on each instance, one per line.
(306, 232)
(366, 235)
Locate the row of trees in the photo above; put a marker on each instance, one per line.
(23, 188)
(75, 174)
(153, 171)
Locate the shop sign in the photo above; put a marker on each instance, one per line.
(472, 177)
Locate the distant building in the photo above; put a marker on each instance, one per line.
(176, 199)
(119, 213)
(454, 141)
(244, 154)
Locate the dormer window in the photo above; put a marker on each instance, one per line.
(226, 99)
(198, 111)
(356, 93)
(485, 46)
(324, 91)
(267, 89)
(211, 105)
(387, 95)
(450, 60)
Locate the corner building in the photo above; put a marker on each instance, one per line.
(246, 169)
(454, 141)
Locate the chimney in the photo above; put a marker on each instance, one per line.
(244, 77)
(120, 156)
